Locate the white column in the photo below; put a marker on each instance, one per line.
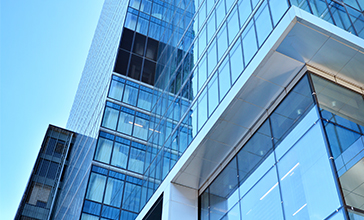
(180, 202)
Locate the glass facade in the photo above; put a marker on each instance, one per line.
(157, 72)
(292, 177)
(192, 53)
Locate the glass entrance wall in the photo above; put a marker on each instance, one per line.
(342, 112)
(285, 168)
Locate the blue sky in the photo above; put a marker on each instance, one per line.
(44, 45)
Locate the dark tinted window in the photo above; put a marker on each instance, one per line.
(139, 44)
(121, 64)
(126, 39)
(152, 49)
(135, 67)
(148, 72)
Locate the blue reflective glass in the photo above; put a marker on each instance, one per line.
(202, 72)
(145, 99)
(263, 200)
(110, 118)
(213, 94)
(222, 41)
(120, 155)
(236, 58)
(245, 10)
(202, 41)
(263, 23)
(96, 186)
(116, 90)
(249, 42)
(320, 9)
(277, 8)
(233, 24)
(110, 212)
(220, 11)
(301, 4)
(224, 78)
(306, 170)
(113, 192)
(130, 21)
(136, 160)
(125, 215)
(126, 122)
(193, 118)
(211, 57)
(141, 128)
(130, 93)
(142, 26)
(202, 108)
(131, 199)
(91, 207)
(340, 16)
(211, 26)
(340, 138)
(103, 150)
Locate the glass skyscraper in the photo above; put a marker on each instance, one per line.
(225, 109)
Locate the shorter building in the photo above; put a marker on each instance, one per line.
(46, 179)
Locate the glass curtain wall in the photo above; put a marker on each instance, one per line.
(286, 169)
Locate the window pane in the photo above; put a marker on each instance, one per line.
(223, 191)
(202, 108)
(211, 26)
(52, 170)
(114, 191)
(263, 23)
(249, 43)
(236, 58)
(224, 78)
(110, 213)
(120, 155)
(131, 200)
(291, 109)
(222, 42)
(130, 21)
(136, 160)
(96, 186)
(233, 24)
(244, 10)
(92, 208)
(202, 72)
(142, 26)
(211, 57)
(131, 93)
(263, 200)
(213, 93)
(145, 98)
(141, 125)
(135, 68)
(278, 8)
(126, 121)
(306, 171)
(103, 150)
(110, 118)
(220, 11)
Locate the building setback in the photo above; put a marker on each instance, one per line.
(225, 109)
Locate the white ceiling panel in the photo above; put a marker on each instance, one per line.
(353, 71)
(332, 56)
(302, 43)
(273, 70)
(259, 92)
(227, 133)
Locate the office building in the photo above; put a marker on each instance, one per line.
(225, 109)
